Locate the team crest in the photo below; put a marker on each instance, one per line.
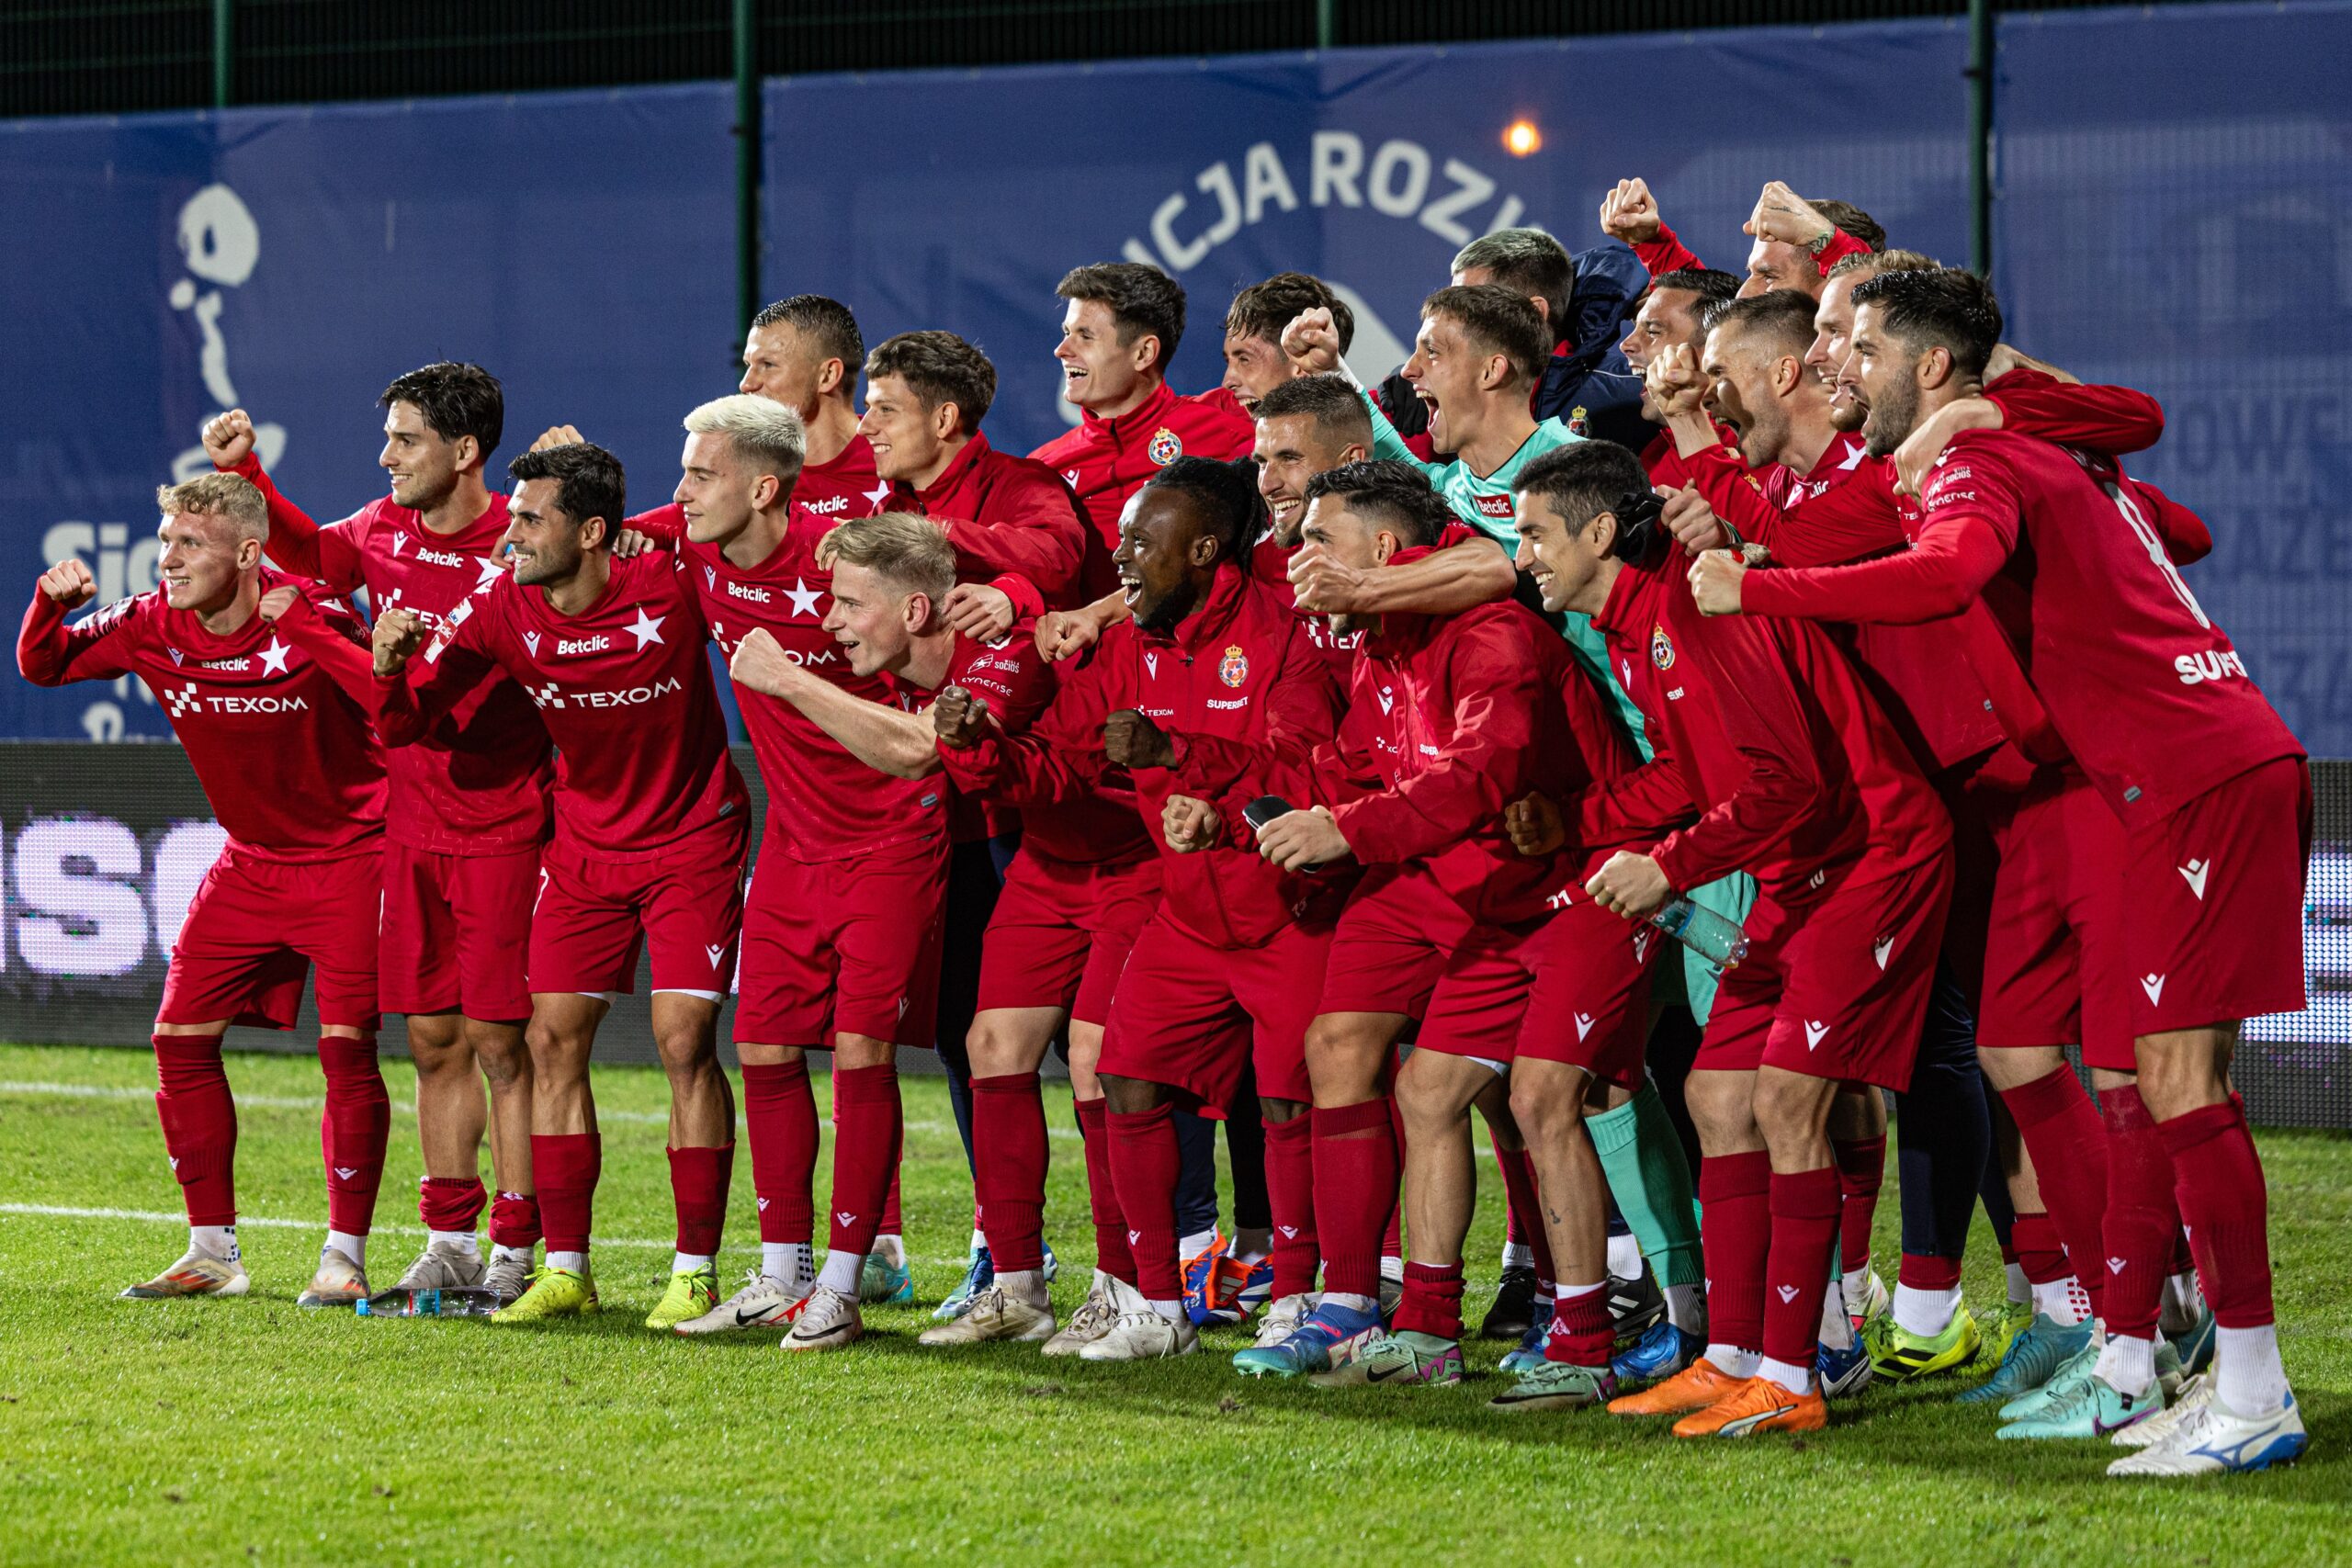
(1234, 668)
(1580, 420)
(1166, 446)
(1661, 649)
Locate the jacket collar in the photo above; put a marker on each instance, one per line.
(1152, 411)
(1212, 617)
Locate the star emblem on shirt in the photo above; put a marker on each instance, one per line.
(879, 494)
(491, 569)
(804, 598)
(648, 628)
(273, 658)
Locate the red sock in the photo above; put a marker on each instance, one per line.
(1517, 1227)
(1145, 1163)
(450, 1202)
(200, 1125)
(1111, 1254)
(2035, 1241)
(868, 1127)
(1290, 1193)
(1806, 1208)
(1862, 1170)
(1926, 1270)
(1582, 1332)
(353, 1131)
(2143, 1216)
(2062, 1132)
(780, 1120)
(514, 1220)
(1433, 1303)
(1392, 1239)
(566, 1166)
(2183, 1258)
(1009, 1148)
(1355, 1193)
(893, 1222)
(2226, 1208)
(698, 1182)
(1736, 1236)
(1518, 1197)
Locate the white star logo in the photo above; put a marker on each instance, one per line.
(491, 569)
(273, 658)
(804, 598)
(877, 495)
(648, 628)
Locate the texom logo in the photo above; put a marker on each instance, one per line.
(545, 696)
(183, 700)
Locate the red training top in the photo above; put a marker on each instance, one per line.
(1107, 460)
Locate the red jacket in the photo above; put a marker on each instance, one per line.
(1240, 668)
(1014, 521)
(1107, 460)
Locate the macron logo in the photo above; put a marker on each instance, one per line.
(716, 954)
(2115, 1265)
(399, 540)
(2194, 873)
(1881, 948)
(346, 1172)
(843, 1220)
(1813, 1031)
(763, 1204)
(1788, 1293)
(1584, 1025)
(2154, 985)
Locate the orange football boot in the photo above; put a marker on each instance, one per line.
(1695, 1387)
(1759, 1405)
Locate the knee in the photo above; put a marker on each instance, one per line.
(499, 1052)
(1542, 1112)
(1783, 1110)
(1129, 1097)
(1336, 1051)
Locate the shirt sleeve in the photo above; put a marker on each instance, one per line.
(1971, 518)
(328, 554)
(1303, 710)
(1833, 527)
(1055, 759)
(2111, 420)
(665, 524)
(1766, 721)
(1387, 443)
(97, 648)
(408, 703)
(1032, 548)
(331, 636)
(1666, 253)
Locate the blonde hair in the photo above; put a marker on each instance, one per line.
(910, 551)
(229, 496)
(767, 433)
(1870, 263)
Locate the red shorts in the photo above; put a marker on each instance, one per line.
(848, 946)
(685, 905)
(2056, 968)
(2215, 890)
(455, 929)
(1391, 943)
(1061, 932)
(1181, 1002)
(1837, 988)
(1573, 988)
(256, 926)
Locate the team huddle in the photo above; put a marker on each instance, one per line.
(1677, 712)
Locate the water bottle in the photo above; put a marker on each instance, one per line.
(397, 1302)
(1712, 937)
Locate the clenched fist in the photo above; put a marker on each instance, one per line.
(1189, 825)
(1781, 214)
(558, 436)
(70, 583)
(1534, 825)
(959, 718)
(1132, 740)
(979, 611)
(278, 601)
(229, 439)
(1691, 521)
(1630, 213)
(1676, 387)
(1630, 884)
(399, 634)
(1312, 342)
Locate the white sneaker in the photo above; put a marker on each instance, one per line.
(195, 1274)
(443, 1266)
(2213, 1439)
(1141, 1334)
(339, 1282)
(1869, 1300)
(507, 1278)
(828, 1320)
(994, 1314)
(765, 1302)
(1091, 1321)
(1281, 1320)
(2194, 1394)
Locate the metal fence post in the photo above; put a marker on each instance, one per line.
(1980, 137)
(747, 164)
(224, 56)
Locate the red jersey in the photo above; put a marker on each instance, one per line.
(1018, 526)
(478, 782)
(823, 803)
(273, 717)
(1107, 460)
(845, 488)
(2147, 692)
(1770, 734)
(1239, 669)
(624, 688)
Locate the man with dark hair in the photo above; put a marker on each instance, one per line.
(2201, 773)
(1210, 649)
(1797, 242)
(1254, 361)
(263, 680)
(1796, 777)
(647, 848)
(1119, 333)
(465, 814)
(1306, 425)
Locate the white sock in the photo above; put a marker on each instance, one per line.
(1251, 1243)
(979, 1238)
(1518, 1255)
(841, 1272)
(1735, 1363)
(2181, 1306)
(2247, 1377)
(2020, 1288)
(1172, 1311)
(1854, 1288)
(1197, 1243)
(1393, 1270)
(352, 1246)
(1024, 1284)
(215, 1241)
(510, 1254)
(1686, 1307)
(1624, 1258)
(2063, 1302)
(893, 1250)
(1837, 1328)
(2128, 1366)
(1924, 1313)
(689, 1262)
(1357, 1303)
(789, 1263)
(461, 1241)
(571, 1262)
(1795, 1379)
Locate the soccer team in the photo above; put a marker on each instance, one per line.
(1310, 760)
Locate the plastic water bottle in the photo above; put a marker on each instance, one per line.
(1713, 938)
(430, 1303)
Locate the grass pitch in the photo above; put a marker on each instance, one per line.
(250, 1431)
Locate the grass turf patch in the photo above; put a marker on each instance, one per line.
(253, 1431)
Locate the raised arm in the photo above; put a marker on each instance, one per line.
(49, 652)
(408, 701)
